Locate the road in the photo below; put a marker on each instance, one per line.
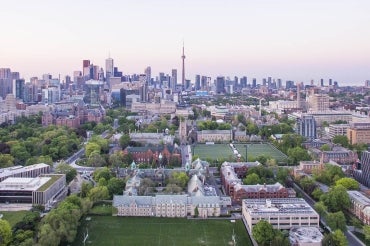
(185, 154)
(352, 239)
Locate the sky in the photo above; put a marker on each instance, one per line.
(296, 40)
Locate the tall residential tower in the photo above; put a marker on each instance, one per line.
(183, 67)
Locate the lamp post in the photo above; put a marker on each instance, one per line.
(246, 153)
(160, 159)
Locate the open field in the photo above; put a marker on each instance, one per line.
(213, 151)
(218, 151)
(258, 149)
(109, 230)
(13, 217)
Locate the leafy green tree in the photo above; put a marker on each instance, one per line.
(124, 141)
(102, 182)
(92, 147)
(96, 160)
(252, 179)
(102, 173)
(366, 230)
(325, 147)
(342, 140)
(336, 221)
(178, 178)
(317, 193)
(98, 193)
(321, 209)
(308, 184)
(297, 154)
(66, 169)
(348, 183)
(282, 175)
(329, 174)
(6, 160)
(339, 239)
(263, 233)
(5, 233)
(115, 186)
(85, 188)
(337, 199)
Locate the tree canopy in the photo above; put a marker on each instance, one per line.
(263, 233)
(348, 183)
(337, 199)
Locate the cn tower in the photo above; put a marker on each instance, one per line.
(183, 67)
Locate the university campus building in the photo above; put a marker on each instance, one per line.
(231, 179)
(167, 206)
(41, 190)
(281, 213)
(31, 171)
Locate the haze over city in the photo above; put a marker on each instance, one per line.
(295, 40)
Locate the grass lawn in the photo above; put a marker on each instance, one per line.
(213, 151)
(218, 151)
(258, 149)
(103, 209)
(13, 217)
(109, 230)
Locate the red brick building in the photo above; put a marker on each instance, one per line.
(231, 178)
(151, 154)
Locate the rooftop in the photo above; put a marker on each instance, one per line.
(52, 179)
(5, 172)
(27, 184)
(359, 197)
(305, 235)
(278, 206)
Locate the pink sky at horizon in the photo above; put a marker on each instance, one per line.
(287, 39)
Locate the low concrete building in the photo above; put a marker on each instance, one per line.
(281, 213)
(305, 236)
(30, 171)
(42, 190)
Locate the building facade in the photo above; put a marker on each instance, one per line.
(281, 213)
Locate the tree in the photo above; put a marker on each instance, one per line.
(321, 208)
(325, 147)
(282, 175)
(348, 183)
(124, 141)
(317, 193)
(85, 188)
(6, 160)
(366, 230)
(336, 221)
(308, 184)
(115, 186)
(5, 232)
(92, 147)
(66, 169)
(102, 173)
(342, 140)
(252, 179)
(98, 193)
(96, 160)
(178, 178)
(263, 233)
(337, 199)
(339, 239)
(297, 154)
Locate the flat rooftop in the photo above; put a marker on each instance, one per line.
(27, 184)
(5, 172)
(305, 235)
(278, 206)
(361, 198)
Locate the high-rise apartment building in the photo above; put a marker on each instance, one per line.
(109, 68)
(19, 89)
(6, 83)
(173, 79)
(197, 82)
(220, 85)
(148, 74)
(86, 67)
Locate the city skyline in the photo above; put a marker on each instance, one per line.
(284, 39)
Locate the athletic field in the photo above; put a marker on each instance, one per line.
(218, 151)
(258, 149)
(109, 230)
